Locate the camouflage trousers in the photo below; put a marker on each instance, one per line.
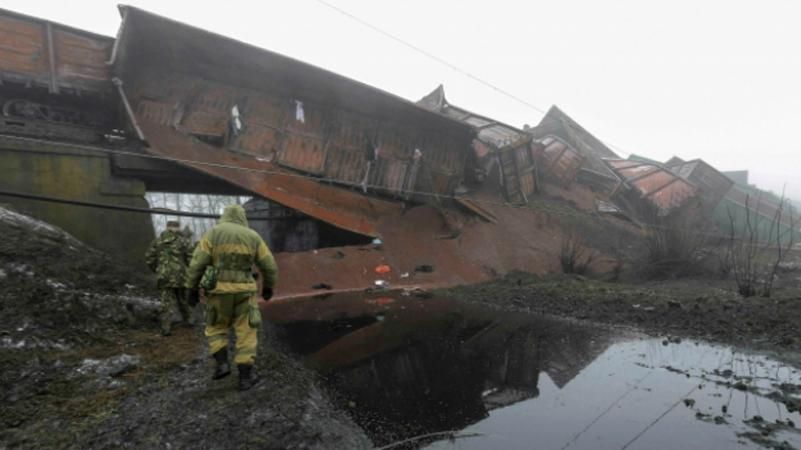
(240, 312)
(172, 299)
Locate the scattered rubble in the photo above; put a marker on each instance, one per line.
(109, 367)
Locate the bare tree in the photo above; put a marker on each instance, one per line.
(755, 261)
(675, 242)
(574, 255)
(206, 203)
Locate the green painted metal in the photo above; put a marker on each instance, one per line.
(64, 171)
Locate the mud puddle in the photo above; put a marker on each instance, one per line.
(464, 376)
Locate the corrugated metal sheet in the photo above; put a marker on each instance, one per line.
(663, 188)
(303, 152)
(293, 116)
(297, 120)
(519, 172)
(340, 207)
(149, 43)
(559, 161)
(81, 59)
(594, 171)
(75, 61)
(713, 185)
(328, 143)
(491, 132)
(510, 144)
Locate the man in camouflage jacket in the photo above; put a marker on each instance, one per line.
(168, 256)
(233, 249)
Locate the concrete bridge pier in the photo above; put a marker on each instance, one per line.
(78, 173)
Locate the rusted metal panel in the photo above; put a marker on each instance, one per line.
(712, 184)
(490, 132)
(594, 172)
(526, 170)
(319, 141)
(559, 161)
(339, 207)
(38, 52)
(307, 132)
(260, 140)
(663, 188)
(81, 59)
(304, 144)
(156, 112)
(304, 153)
(156, 44)
(23, 50)
(510, 144)
(390, 174)
(518, 171)
(346, 164)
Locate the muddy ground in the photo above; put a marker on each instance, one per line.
(703, 308)
(82, 364)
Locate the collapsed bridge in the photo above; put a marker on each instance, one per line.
(168, 107)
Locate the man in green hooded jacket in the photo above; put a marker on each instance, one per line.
(168, 256)
(232, 249)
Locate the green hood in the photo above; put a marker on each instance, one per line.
(234, 214)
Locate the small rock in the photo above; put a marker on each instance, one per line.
(674, 304)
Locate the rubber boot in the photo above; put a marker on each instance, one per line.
(223, 369)
(247, 377)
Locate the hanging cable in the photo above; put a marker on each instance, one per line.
(134, 209)
(448, 64)
(433, 57)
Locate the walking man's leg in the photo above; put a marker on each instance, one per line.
(219, 312)
(168, 302)
(247, 320)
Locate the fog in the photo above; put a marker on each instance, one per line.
(716, 80)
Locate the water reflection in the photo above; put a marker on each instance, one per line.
(407, 366)
(421, 365)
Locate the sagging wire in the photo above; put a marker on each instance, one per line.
(661, 416)
(621, 397)
(667, 411)
(448, 64)
(606, 411)
(134, 209)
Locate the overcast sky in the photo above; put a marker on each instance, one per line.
(718, 80)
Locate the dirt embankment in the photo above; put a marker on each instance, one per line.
(83, 366)
(464, 249)
(705, 309)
